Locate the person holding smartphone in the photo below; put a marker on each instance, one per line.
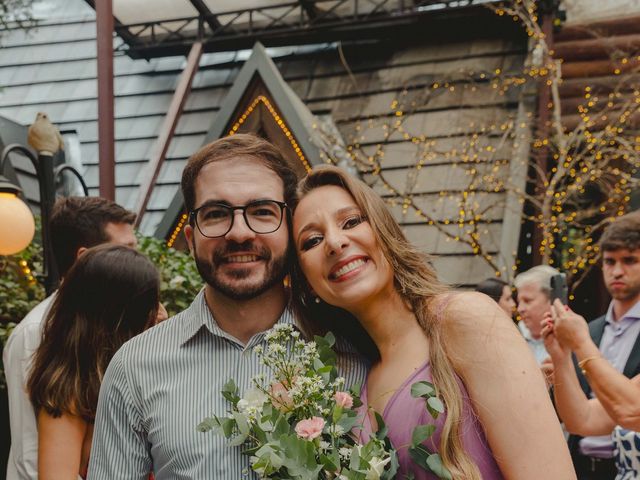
(534, 302)
(599, 401)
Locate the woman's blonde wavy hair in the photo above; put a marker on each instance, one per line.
(417, 283)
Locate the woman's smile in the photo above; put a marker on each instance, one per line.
(348, 268)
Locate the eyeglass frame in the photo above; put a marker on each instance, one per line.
(193, 215)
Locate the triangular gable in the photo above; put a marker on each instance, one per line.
(259, 101)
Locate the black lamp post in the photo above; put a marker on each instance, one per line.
(47, 175)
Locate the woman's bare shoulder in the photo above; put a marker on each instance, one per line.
(465, 307)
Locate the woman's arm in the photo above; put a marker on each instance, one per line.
(59, 446)
(580, 415)
(507, 390)
(617, 394)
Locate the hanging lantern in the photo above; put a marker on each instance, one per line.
(17, 226)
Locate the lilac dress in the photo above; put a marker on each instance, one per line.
(403, 413)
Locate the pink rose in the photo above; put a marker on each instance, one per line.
(310, 428)
(281, 398)
(343, 399)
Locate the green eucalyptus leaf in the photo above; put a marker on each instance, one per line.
(241, 422)
(382, 427)
(238, 440)
(228, 425)
(355, 390)
(419, 454)
(435, 465)
(435, 406)
(422, 389)
(230, 392)
(329, 463)
(208, 424)
(421, 433)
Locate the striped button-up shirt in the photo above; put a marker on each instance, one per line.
(161, 384)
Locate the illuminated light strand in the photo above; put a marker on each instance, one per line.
(578, 165)
(177, 230)
(26, 271)
(279, 121)
(283, 126)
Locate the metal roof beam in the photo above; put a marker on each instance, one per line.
(298, 22)
(208, 16)
(309, 7)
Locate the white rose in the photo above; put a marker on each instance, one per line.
(376, 467)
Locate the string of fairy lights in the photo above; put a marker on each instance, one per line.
(260, 99)
(601, 153)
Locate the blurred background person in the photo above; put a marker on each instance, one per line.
(501, 292)
(608, 350)
(534, 290)
(109, 295)
(77, 223)
(614, 411)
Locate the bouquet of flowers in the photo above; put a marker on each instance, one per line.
(301, 423)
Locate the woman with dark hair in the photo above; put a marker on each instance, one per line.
(363, 280)
(500, 292)
(108, 296)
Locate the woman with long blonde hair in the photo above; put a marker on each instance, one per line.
(359, 277)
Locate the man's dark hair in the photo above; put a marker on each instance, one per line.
(234, 146)
(624, 232)
(492, 287)
(80, 222)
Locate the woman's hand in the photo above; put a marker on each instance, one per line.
(557, 351)
(569, 328)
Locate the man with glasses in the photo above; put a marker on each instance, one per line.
(161, 384)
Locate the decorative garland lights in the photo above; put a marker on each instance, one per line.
(283, 126)
(26, 271)
(177, 230)
(281, 123)
(594, 154)
(595, 157)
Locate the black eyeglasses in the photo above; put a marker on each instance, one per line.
(216, 219)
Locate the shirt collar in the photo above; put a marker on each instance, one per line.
(199, 316)
(632, 314)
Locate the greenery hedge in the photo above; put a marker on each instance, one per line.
(20, 291)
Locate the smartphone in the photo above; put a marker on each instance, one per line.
(559, 288)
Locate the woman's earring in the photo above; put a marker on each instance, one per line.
(317, 299)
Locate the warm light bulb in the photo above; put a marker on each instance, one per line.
(16, 224)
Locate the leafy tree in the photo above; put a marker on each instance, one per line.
(16, 13)
(180, 280)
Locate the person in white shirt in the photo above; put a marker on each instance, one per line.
(77, 223)
(534, 290)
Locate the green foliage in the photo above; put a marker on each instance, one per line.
(19, 290)
(419, 453)
(180, 280)
(300, 423)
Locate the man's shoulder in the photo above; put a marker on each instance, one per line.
(165, 336)
(597, 325)
(30, 327)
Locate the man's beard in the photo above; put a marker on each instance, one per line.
(275, 271)
(628, 293)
